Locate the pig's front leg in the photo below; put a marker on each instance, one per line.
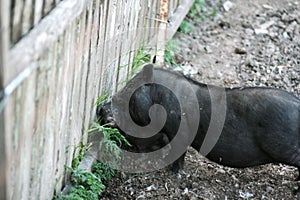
(178, 164)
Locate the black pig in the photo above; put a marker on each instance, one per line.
(262, 125)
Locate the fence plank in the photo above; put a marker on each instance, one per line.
(148, 16)
(162, 31)
(54, 92)
(61, 151)
(109, 44)
(3, 171)
(48, 5)
(4, 42)
(124, 51)
(135, 26)
(93, 84)
(131, 35)
(140, 24)
(86, 67)
(4, 38)
(27, 16)
(112, 45)
(38, 11)
(118, 43)
(101, 44)
(16, 21)
(26, 104)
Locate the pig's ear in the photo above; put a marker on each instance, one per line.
(148, 73)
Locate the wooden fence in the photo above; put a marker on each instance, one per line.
(56, 58)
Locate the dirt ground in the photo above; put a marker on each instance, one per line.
(248, 43)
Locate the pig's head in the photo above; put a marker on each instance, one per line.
(105, 115)
(130, 109)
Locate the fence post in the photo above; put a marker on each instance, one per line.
(162, 32)
(4, 42)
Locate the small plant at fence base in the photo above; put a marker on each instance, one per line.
(89, 185)
(110, 152)
(142, 57)
(86, 185)
(172, 49)
(101, 99)
(80, 150)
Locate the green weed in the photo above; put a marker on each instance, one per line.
(197, 10)
(80, 150)
(112, 134)
(110, 152)
(196, 14)
(142, 57)
(101, 99)
(186, 27)
(89, 185)
(103, 171)
(86, 185)
(172, 48)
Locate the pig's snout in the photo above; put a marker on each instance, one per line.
(111, 122)
(105, 115)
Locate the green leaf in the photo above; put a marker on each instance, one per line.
(186, 27)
